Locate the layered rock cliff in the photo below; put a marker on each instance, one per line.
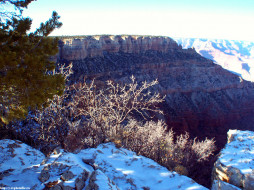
(92, 46)
(201, 97)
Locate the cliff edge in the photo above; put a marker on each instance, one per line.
(93, 46)
(105, 168)
(235, 164)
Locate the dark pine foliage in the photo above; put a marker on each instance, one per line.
(26, 71)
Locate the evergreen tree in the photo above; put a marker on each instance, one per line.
(26, 72)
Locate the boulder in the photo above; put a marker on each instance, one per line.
(67, 175)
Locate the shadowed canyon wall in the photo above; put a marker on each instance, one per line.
(201, 97)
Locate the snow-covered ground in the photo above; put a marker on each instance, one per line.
(235, 165)
(239, 153)
(235, 56)
(105, 167)
(130, 171)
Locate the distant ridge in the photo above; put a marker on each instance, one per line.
(234, 55)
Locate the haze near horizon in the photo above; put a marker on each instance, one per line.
(214, 19)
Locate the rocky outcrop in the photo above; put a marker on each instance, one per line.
(102, 168)
(201, 97)
(235, 165)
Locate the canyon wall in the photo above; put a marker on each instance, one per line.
(92, 46)
(201, 97)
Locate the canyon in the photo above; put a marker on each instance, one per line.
(234, 55)
(202, 98)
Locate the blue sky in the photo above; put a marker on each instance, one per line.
(221, 19)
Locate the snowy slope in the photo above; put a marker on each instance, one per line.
(130, 171)
(239, 152)
(105, 167)
(235, 56)
(17, 158)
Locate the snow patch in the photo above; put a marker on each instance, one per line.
(105, 167)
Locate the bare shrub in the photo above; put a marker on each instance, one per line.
(108, 108)
(102, 111)
(146, 139)
(83, 136)
(203, 149)
(187, 151)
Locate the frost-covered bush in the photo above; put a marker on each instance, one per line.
(85, 116)
(153, 140)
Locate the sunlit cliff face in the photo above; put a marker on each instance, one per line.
(76, 49)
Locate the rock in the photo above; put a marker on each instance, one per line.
(99, 180)
(60, 186)
(53, 185)
(56, 187)
(88, 161)
(67, 188)
(248, 181)
(80, 182)
(44, 176)
(67, 175)
(235, 164)
(92, 182)
(221, 185)
(5, 173)
(57, 150)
